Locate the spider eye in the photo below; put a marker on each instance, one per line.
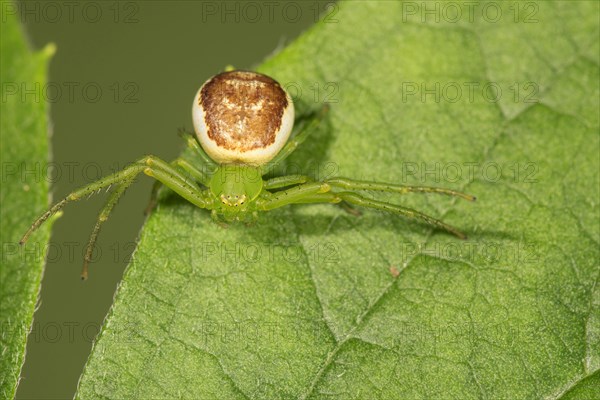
(242, 116)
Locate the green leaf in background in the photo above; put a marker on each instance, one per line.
(24, 193)
(312, 302)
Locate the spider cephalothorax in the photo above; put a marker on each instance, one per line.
(243, 122)
(236, 187)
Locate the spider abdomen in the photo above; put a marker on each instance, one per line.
(242, 117)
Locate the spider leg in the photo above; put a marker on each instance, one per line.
(102, 217)
(153, 197)
(350, 209)
(301, 132)
(195, 173)
(185, 167)
(151, 166)
(120, 176)
(283, 181)
(293, 195)
(218, 220)
(358, 200)
(176, 181)
(351, 184)
(328, 197)
(192, 143)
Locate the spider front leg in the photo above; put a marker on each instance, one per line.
(118, 177)
(270, 201)
(359, 200)
(102, 217)
(356, 199)
(185, 166)
(353, 198)
(151, 166)
(351, 184)
(283, 181)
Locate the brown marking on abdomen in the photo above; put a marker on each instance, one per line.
(242, 109)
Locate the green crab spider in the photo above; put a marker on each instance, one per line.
(243, 121)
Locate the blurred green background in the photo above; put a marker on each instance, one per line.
(120, 85)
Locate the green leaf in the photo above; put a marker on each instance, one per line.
(313, 302)
(24, 193)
